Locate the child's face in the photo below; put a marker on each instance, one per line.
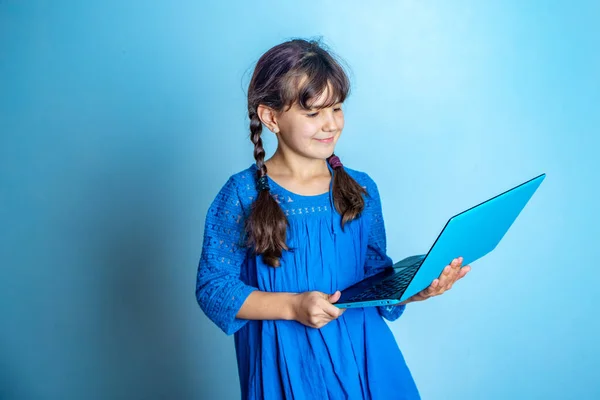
(311, 133)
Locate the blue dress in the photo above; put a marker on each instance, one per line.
(353, 357)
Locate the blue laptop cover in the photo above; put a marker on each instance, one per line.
(473, 233)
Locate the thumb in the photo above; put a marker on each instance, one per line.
(335, 297)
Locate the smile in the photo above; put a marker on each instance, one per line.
(328, 140)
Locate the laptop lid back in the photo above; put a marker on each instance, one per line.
(473, 233)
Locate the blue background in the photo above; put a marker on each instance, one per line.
(120, 120)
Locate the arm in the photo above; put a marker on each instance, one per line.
(377, 258)
(313, 309)
(268, 305)
(224, 297)
(219, 290)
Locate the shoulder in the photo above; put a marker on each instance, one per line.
(364, 180)
(243, 181)
(240, 188)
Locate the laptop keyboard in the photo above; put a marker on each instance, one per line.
(389, 286)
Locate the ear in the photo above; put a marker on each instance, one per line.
(268, 117)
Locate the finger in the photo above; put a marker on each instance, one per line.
(419, 296)
(335, 297)
(422, 295)
(446, 271)
(463, 271)
(435, 285)
(433, 288)
(457, 266)
(332, 311)
(318, 324)
(445, 276)
(429, 291)
(459, 275)
(442, 284)
(456, 263)
(456, 271)
(315, 320)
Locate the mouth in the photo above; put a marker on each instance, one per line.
(326, 140)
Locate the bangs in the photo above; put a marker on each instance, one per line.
(314, 76)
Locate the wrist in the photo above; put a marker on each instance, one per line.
(291, 306)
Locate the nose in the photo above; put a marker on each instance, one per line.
(330, 124)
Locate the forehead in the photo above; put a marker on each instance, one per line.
(313, 91)
(324, 99)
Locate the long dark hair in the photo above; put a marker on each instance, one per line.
(277, 82)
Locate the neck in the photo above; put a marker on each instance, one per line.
(296, 166)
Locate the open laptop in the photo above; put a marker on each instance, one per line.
(471, 234)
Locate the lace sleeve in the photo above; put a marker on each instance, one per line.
(377, 258)
(219, 290)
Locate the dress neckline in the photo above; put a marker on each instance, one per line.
(282, 189)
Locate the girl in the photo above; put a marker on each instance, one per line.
(284, 235)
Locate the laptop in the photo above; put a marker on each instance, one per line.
(471, 234)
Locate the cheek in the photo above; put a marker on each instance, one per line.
(308, 131)
(340, 122)
(301, 137)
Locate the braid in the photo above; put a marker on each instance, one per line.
(259, 151)
(347, 193)
(266, 225)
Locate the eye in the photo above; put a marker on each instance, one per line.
(337, 109)
(312, 115)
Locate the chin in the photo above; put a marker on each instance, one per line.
(326, 154)
(322, 155)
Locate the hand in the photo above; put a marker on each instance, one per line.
(447, 278)
(315, 309)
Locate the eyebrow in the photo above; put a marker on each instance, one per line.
(315, 107)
